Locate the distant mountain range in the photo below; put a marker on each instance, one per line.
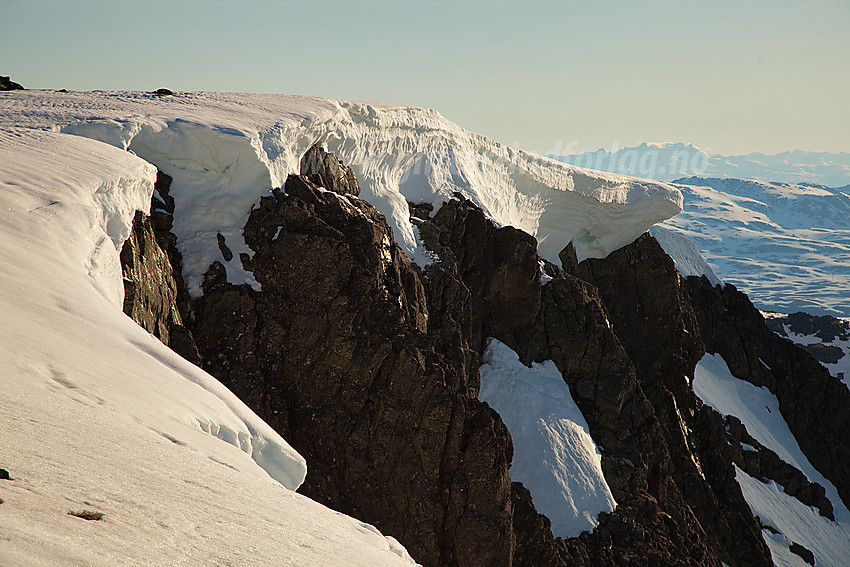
(668, 161)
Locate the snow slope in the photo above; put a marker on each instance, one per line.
(98, 415)
(758, 410)
(231, 148)
(670, 160)
(786, 246)
(554, 455)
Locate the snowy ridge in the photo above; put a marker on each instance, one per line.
(758, 410)
(231, 148)
(98, 414)
(554, 455)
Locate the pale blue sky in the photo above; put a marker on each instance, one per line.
(729, 76)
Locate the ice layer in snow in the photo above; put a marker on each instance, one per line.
(554, 454)
(98, 415)
(225, 150)
(758, 410)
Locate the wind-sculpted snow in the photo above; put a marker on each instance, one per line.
(758, 410)
(786, 246)
(554, 455)
(226, 150)
(98, 414)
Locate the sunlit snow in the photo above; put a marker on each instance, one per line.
(98, 415)
(554, 455)
(225, 150)
(758, 410)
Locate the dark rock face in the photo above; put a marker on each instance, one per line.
(150, 293)
(651, 315)
(824, 353)
(7, 84)
(335, 353)
(368, 366)
(805, 554)
(760, 462)
(813, 403)
(326, 170)
(825, 327)
(153, 287)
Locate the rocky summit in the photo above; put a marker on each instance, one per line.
(368, 365)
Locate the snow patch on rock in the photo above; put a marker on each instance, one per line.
(554, 454)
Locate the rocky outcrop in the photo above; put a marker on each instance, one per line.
(813, 403)
(368, 366)
(824, 327)
(335, 353)
(567, 321)
(652, 315)
(7, 84)
(327, 171)
(760, 462)
(153, 286)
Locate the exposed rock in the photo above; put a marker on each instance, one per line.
(4, 475)
(813, 403)
(7, 84)
(421, 210)
(162, 92)
(335, 353)
(152, 285)
(150, 293)
(327, 171)
(368, 366)
(571, 328)
(805, 554)
(652, 316)
(824, 353)
(761, 463)
(825, 327)
(499, 267)
(222, 246)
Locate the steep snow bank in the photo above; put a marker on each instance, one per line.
(554, 455)
(97, 414)
(758, 410)
(225, 150)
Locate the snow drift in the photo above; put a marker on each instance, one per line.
(222, 147)
(97, 414)
(554, 455)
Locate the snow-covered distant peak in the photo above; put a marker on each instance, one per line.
(669, 160)
(225, 150)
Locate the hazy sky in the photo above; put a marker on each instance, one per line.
(555, 76)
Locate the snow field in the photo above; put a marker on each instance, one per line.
(99, 415)
(758, 410)
(554, 455)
